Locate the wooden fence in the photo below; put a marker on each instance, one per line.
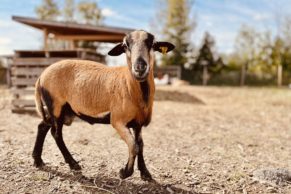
(27, 67)
(3, 73)
(172, 71)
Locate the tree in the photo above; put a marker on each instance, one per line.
(286, 31)
(176, 29)
(246, 47)
(206, 60)
(69, 10)
(48, 10)
(277, 52)
(85, 11)
(263, 64)
(90, 12)
(286, 55)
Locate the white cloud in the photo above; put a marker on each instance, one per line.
(4, 23)
(107, 12)
(14, 36)
(261, 16)
(4, 40)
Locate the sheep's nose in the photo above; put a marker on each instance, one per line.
(140, 65)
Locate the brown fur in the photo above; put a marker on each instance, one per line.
(92, 90)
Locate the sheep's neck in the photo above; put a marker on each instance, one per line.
(146, 88)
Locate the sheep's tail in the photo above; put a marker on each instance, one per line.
(38, 101)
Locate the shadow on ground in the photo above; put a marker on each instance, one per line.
(100, 183)
(176, 96)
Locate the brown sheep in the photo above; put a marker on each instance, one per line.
(120, 96)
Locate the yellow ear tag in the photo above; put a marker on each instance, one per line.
(164, 49)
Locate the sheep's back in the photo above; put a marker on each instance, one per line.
(89, 87)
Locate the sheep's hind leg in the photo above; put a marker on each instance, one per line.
(144, 173)
(58, 136)
(43, 128)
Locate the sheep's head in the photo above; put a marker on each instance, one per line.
(139, 47)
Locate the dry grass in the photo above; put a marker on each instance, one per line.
(205, 140)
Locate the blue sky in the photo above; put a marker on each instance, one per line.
(222, 18)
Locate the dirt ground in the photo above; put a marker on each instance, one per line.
(201, 140)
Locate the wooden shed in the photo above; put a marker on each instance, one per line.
(27, 65)
(73, 32)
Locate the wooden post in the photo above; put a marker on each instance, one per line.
(45, 39)
(243, 74)
(205, 75)
(72, 45)
(279, 75)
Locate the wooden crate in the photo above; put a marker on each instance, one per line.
(27, 67)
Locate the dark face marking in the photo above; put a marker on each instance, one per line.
(149, 41)
(138, 46)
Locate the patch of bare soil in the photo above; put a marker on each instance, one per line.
(201, 140)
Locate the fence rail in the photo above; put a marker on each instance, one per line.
(27, 66)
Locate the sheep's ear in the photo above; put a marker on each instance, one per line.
(117, 50)
(163, 47)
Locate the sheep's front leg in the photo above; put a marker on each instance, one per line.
(126, 135)
(144, 172)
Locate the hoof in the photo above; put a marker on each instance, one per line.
(125, 173)
(75, 166)
(146, 176)
(38, 163)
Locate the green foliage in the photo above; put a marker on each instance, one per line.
(206, 56)
(277, 51)
(245, 44)
(286, 31)
(176, 29)
(262, 54)
(90, 12)
(85, 11)
(69, 10)
(48, 10)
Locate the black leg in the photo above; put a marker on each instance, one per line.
(43, 128)
(144, 173)
(58, 136)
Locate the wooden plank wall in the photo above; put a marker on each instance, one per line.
(24, 73)
(27, 67)
(3, 73)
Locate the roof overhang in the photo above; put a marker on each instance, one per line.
(76, 31)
